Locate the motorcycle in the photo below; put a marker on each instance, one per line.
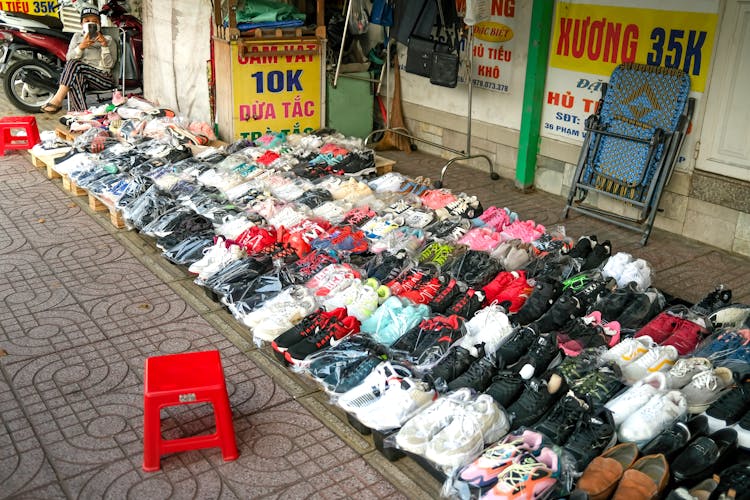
(33, 53)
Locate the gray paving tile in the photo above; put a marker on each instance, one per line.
(695, 278)
(23, 463)
(32, 334)
(132, 311)
(288, 453)
(27, 286)
(51, 491)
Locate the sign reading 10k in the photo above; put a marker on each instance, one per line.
(276, 93)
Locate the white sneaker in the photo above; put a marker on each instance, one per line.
(637, 271)
(615, 265)
(706, 387)
(476, 424)
(627, 351)
(373, 387)
(280, 313)
(487, 328)
(332, 211)
(417, 432)
(399, 403)
(657, 359)
(683, 370)
(389, 182)
(359, 300)
(635, 397)
(647, 422)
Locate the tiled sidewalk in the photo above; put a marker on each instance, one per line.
(79, 313)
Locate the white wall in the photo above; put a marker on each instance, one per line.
(492, 107)
(176, 48)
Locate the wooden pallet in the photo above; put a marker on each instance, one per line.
(115, 215)
(383, 165)
(65, 134)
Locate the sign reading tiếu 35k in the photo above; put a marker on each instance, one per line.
(590, 40)
(277, 88)
(33, 7)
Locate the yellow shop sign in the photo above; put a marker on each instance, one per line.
(277, 87)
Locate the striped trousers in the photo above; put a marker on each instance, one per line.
(81, 77)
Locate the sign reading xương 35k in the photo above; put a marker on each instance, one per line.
(590, 39)
(276, 93)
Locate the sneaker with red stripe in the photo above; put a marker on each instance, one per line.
(311, 324)
(328, 336)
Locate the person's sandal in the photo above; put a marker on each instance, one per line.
(50, 108)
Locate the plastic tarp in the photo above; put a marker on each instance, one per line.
(177, 48)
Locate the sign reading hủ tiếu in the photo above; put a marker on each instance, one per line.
(32, 7)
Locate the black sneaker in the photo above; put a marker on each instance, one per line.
(353, 375)
(467, 304)
(357, 163)
(455, 362)
(720, 297)
(735, 478)
(562, 420)
(478, 376)
(592, 435)
(598, 387)
(599, 254)
(537, 398)
(309, 325)
(445, 297)
(641, 309)
(515, 345)
(545, 294)
(574, 368)
(614, 303)
(562, 312)
(729, 408)
(673, 439)
(505, 388)
(591, 292)
(435, 334)
(704, 454)
(583, 247)
(543, 354)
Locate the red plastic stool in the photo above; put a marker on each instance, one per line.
(9, 141)
(178, 379)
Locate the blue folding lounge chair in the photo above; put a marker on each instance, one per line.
(632, 143)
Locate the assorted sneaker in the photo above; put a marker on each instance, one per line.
(672, 440)
(684, 369)
(483, 472)
(373, 387)
(636, 396)
(530, 475)
(730, 408)
(323, 337)
(707, 387)
(562, 420)
(477, 423)
(399, 403)
(650, 420)
(538, 396)
(593, 434)
(486, 330)
(657, 359)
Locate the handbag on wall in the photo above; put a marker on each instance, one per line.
(445, 57)
(419, 55)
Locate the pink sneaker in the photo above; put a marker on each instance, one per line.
(481, 238)
(437, 198)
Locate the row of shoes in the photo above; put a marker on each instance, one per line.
(432, 316)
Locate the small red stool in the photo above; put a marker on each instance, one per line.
(178, 379)
(9, 141)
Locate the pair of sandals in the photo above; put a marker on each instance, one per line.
(50, 108)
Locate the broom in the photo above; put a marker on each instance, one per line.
(390, 139)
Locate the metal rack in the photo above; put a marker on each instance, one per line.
(460, 155)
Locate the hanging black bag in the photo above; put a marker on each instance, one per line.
(445, 57)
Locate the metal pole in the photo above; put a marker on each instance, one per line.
(343, 42)
(469, 57)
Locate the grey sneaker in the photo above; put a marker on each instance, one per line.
(706, 387)
(683, 370)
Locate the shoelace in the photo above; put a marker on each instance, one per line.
(681, 368)
(516, 474)
(706, 380)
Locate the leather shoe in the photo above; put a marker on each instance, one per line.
(601, 476)
(644, 480)
(703, 454)
(673, 440)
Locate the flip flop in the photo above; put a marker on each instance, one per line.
(50, 108)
